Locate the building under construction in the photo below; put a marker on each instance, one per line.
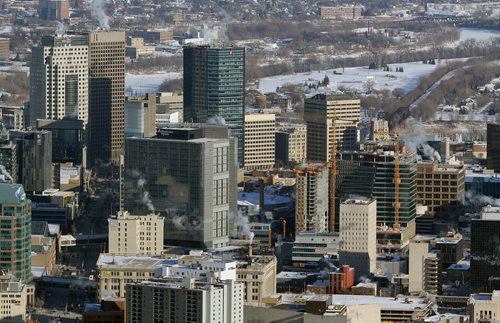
(311, 210)
(373, 175)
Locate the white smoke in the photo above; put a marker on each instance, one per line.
(140, 187)
(207, 34)
(419, 145)
(216, 120)
(60, 28)
(5, 173)
(480, 200)
(98, 12)
(242, 226)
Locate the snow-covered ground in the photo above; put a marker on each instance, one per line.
(355, 77)
(478, 34)
(144, 83)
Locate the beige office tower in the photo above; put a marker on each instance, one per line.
(107, 95)
(322, 114)
(59, 78)
(259, 141)
(140, 116)
(131, 235)
(358, 235)
(311, 210)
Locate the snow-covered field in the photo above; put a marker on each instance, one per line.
(144, 83)
(355, 77)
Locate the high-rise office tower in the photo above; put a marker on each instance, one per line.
(53, 9)
(324, 113)
(485, 255)
(259, 141)
(371, 175)
(189, 175)
(311, 210)
(59, 78)
(358, 235)
(493, 147)
(183, 301)
(214, 88)
(106, 95)
(34, 157)
(15, 219)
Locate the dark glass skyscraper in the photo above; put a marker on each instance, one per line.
(214, 87)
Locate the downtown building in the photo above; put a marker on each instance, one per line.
(214, 88)
(371, 175)
(358, 235)
(259, 141)
(15, 229)
(189, 176)
(106, 96)
(324, 113)
(59, 78)
(311, 210)
(185, 300)
(291, 143)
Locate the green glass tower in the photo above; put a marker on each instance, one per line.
(214, 88)
(15, 231)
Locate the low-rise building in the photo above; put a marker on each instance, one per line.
(484, 307)
(258, 274)
(107, 311)
(341, 12)
(311, 247)
(14, 297)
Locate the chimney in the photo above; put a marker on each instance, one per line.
(250, 251)
(270, 238)
(261, 195)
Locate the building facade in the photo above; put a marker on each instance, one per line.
(341, 12)
(311, 209)
(59, 78)
(258, 275)
(135, 235)
(140, 116)
(324, 114)
(259, 141)
(484, 307)
(493, 147)
(358, 235)
(485, 241)
(54, 10)
(424, 267)
(372, 175)
(4, 49)
(214, 88)
(106, 95)
(441, 188)
(34, 156)
(291, 143)
(8, 159)
(15, 229)
(190, 177)
(14, 298)
(185, 301)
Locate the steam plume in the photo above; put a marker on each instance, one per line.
(60, 28)
(5, 173)
(98, 12)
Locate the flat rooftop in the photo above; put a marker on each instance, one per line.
(136, 262)
(386, 303)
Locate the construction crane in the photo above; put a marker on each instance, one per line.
(397, 181)
(333, 175)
